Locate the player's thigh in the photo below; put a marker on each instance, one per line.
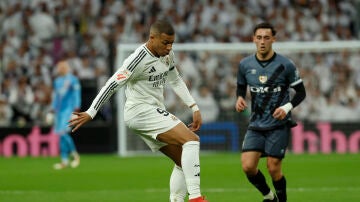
(252, 149)
(274, 165)
(178, 135)
(250, 161)
(148, 120)
(277, 141)
(173, 152)
(254, 141)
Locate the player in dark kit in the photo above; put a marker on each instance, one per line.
(269, 76)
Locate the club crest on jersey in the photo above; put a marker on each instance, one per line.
(263, 79)
(173, 117)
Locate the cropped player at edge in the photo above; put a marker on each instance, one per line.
(269, 76)
(145, 72)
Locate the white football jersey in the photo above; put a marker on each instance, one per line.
(144, 76)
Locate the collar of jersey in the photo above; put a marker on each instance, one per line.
(147, 50)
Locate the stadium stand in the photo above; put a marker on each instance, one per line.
(36, 34)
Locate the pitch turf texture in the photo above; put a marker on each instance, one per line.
(103, 178)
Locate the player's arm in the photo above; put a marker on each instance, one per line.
(117, 80)
(180, 88)
(296, 83)
(110, 87)
(131, 66)
(240, 104)
(300, 94)
(105, 93)
(241, 88)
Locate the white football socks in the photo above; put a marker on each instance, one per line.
(190, 163)
(178, 190)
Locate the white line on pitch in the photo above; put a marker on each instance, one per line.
(299, 189)
(214, 190)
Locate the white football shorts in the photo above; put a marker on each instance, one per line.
(148, 122)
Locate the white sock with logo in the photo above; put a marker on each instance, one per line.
(190, 163)
(178, 189)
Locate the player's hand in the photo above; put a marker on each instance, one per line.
(240, 104)
(78, 119)
(279, 113)
(197, 121)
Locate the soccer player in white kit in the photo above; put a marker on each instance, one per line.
(144, 73)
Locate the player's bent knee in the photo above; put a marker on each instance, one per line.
(274, 171)
(191, 137)
(196, 138)
(249, 170)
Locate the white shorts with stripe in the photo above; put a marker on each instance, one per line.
(148, 121)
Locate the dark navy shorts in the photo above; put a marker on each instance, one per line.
(270, 143)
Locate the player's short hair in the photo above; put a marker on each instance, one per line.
(162, 26)
(265, 25)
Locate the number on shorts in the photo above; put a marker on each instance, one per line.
(163, 112)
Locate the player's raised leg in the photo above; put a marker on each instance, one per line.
(180, 135)
(178, 189)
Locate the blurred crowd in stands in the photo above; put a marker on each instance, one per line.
(36, 34)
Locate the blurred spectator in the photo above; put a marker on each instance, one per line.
(322, 70)
(21, 99)
(227, 100)
(86, 70)
(37, 34)
(43, 24)
(42, 101)
(187, 67)
(6, 113)
(207, 103)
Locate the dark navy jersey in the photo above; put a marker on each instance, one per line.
(269, 83)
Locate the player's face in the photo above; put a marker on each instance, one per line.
(62, 68)
(162, 44)
(263, 39)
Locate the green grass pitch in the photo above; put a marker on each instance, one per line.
(105, 178)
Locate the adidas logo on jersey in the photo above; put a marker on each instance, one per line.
(152, 69)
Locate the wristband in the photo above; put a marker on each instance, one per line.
(194, 108)
(287, 107)
(91, 113)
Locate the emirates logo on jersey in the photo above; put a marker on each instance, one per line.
(263, 79)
